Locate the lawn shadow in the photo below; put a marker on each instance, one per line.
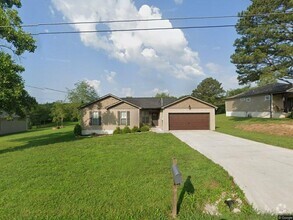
(41, 140)
(187, 188)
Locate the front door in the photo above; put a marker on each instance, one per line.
(155, 119)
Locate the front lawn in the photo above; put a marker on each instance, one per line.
(50, 174)
(276, 132)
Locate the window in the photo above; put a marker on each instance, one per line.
(248, 99)
(124, 118)
(95, 118)
(242, 99)
(145, 118)
(267, 97)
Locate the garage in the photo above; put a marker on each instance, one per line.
(189, 121)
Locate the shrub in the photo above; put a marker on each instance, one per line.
(117, 131)
(144, 128)
(135, 129)
(77, 130)
(126, 130)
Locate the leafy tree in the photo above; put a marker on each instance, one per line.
(264, 52)
(41, 114)
(81, 94)
(59, 112)
(163, 95)
(13, 41)
(209, 90)
(233, 92)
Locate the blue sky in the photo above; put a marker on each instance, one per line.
(129, 64)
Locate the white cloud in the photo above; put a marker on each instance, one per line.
(96, 84)
(157, 90)
(162, 51)
(214, 68)
(110, 76)
(128, 92)
(224, 74)
(178, 2)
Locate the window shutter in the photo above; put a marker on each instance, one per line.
(100, 120)
(119, 117)
(91, 117)
(128, 118)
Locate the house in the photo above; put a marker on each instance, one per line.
(14, 125)
(108, 112)
(270, 101)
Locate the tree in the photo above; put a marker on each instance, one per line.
(41, 114)
(233, 92)
(81, 94)
(13, 41)
(264, 52)
(209, 90)
(163, 95)
(59, 112)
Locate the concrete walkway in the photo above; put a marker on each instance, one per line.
(263, 172)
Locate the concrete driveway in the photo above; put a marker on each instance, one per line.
(263, 172)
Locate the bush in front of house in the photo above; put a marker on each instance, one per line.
(126, 130)
(135, 129)
(77, 130)
(144, 128)
(117, 131)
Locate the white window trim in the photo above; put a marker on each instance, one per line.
(267, 97)
(96, 115)
(248, 99)
(123, 118)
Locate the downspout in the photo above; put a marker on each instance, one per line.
(271, 107)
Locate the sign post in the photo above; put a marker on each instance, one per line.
(177, 180)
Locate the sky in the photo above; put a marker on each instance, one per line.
(140, 63)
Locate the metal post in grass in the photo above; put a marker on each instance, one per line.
(177, 180)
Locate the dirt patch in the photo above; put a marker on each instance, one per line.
(274, 129)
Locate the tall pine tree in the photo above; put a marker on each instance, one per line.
(264, 52)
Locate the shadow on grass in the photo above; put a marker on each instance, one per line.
(187, 188)
(41, 140)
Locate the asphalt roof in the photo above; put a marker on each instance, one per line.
(273, 88)
(150, 102)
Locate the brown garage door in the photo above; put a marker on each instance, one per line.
(189, 121)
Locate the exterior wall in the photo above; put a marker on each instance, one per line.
(183, 107)
(257, 107)
(109, 117)
(190, 102)
(13, 126)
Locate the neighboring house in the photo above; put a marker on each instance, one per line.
(108, 112)
(270, 101)
(16, 124)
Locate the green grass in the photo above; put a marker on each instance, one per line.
(50, 174)
(228, 125)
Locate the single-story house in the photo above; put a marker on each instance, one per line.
(108, 112)
(14, 125)
(269, 101)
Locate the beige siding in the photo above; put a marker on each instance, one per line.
(190, 102)
(13, 126)
(256, 104)
(109, 117)
(183, 107)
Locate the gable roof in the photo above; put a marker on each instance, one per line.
(273, 88)
(99, 99)
(146, 102)
(150, 102)
(189, 97)
(122, 101)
